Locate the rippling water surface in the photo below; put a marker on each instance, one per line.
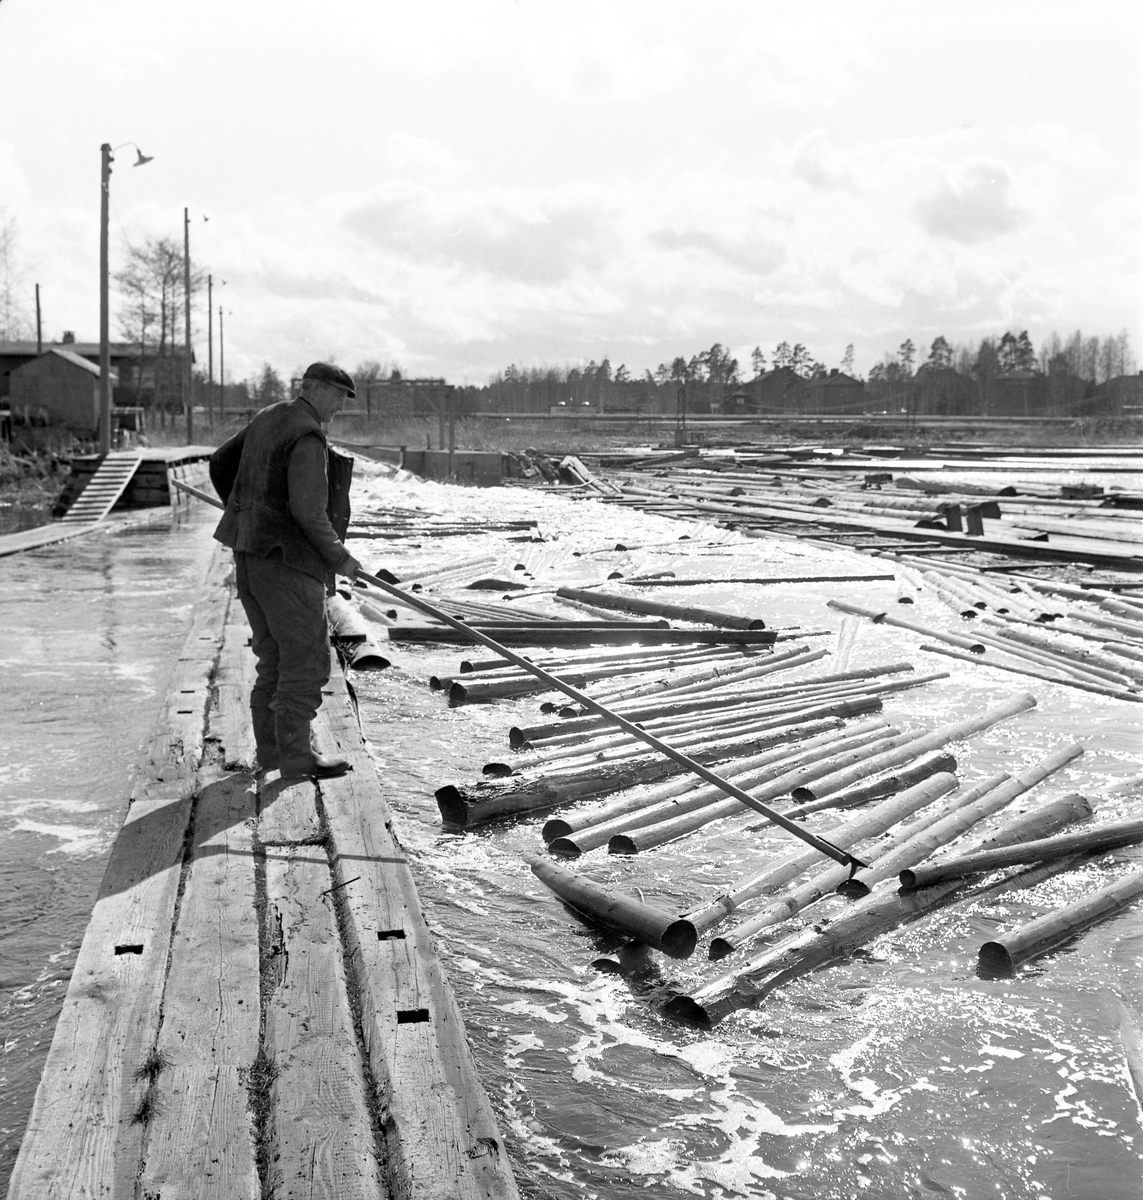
(897, 1073)
(91, 628)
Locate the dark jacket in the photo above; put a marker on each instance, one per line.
(252, 473)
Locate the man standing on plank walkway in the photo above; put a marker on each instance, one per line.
(287, 512)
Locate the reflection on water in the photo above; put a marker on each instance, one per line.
(16, 517)
(91, 630)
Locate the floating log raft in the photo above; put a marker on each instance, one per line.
(794, 956)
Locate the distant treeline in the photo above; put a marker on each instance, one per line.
(1005, 374)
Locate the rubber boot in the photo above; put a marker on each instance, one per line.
(265, 739)
(296, 757)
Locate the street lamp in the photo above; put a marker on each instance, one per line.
(106, 152)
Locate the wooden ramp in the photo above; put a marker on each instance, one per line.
(107, 485)
(257, 1008)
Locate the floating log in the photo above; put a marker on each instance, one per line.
(584, 635)
(789, 867)
(921, 744)
(1050, 643)
(633, 655)
(988, 800)
(354, 636)
(816, 688)
(589, 746)
(632, 660)
(609, 907)
(683, 760)
(786, 712)
(374, 612)
(794, 956)
(678, 612)
(824, 883)
(462, 692)
(1046, 658)
(649, 811)
(366, 656)
(1026, 668)
(707, 678)
(345, 621)
(588, 757)
(885, 785)
(659, 581)
(818, 734)
(884, 618)
(647, 838)
(484, 801)
(1000, 957)
(1109, 836)
(1123, 608)
(477, 562)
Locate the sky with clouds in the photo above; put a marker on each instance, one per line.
(454, 186)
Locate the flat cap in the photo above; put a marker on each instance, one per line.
(328, 373)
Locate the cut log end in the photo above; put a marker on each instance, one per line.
(720, 948)
(679, 939)
(995, 962)
(557, 827)
(457, 695)
(516, 738)
(622, 844)
(496, 769)
(564, 847)
(687, 1012)
(454, 810)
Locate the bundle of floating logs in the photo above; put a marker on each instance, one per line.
(683, 728)
(1031, 628)
(1065, 524)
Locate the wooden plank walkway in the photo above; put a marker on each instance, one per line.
(42, 535)
(257, 1008)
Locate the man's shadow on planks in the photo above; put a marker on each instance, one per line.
(217, 820)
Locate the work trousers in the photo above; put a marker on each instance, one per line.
(286, 611)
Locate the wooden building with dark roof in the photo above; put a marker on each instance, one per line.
(59, 388)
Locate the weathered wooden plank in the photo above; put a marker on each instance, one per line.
(287, 813)
(83, 1137)
(321, 1134)
(230, 717)
(441, 1137)
(200, 1138)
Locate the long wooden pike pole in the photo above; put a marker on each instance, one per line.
(684, 760)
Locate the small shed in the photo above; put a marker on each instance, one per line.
(58, 388)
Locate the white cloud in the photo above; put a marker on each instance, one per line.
(804, 55)
(974, 205)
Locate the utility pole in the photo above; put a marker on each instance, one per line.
(104, 321)
(188, 375)
(221, 370)
(210, 347)
(39, 326)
